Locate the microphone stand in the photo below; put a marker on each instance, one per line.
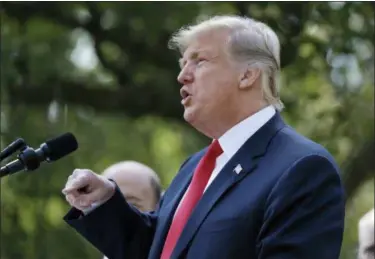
(29, 162)
(18, 144)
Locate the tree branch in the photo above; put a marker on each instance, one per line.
(130, 100)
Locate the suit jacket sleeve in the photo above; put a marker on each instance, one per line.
(304, 215)
(116, 229)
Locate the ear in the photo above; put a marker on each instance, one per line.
(248, 78)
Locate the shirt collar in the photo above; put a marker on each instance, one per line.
(235, 137)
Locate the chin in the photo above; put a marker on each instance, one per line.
(191, 117)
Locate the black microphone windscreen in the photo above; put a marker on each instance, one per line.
(61, 146)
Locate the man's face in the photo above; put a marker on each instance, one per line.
(138, 191)
(209, 78)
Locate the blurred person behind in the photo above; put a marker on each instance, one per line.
(139, 184)
(366, 236)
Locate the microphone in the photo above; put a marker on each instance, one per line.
(52, 150)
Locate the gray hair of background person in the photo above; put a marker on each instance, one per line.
(127, 171)
(366, 236)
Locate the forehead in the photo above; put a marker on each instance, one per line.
(136, 186)
(207, 43)
(132, 178)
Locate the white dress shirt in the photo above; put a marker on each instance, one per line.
(235, 137)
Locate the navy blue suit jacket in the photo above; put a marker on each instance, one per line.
(287, 203)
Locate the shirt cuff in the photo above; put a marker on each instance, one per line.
(96, 204)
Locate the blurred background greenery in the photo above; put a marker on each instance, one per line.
(102, 70)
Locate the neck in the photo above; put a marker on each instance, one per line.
(223, 124)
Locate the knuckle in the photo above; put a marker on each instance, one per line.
(76, 172)
(83, 178)
(70, 178)
(80, 177)
(86, 173)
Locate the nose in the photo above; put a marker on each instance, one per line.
(186, 76)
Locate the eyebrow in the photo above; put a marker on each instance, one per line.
(194, 55)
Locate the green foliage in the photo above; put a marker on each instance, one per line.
(123, 103)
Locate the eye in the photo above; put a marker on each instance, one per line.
(201, 61)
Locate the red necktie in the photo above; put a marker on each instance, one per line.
(194, 193)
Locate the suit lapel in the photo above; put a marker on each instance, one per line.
(166, 215)
(241, 164)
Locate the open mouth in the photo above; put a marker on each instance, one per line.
(186, 97)
(184, 94)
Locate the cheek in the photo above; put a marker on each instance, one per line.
(217, 87)
(207, 84)
(214, 85)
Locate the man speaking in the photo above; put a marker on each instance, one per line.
(259, 190)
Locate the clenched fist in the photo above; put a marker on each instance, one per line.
(84, 189)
